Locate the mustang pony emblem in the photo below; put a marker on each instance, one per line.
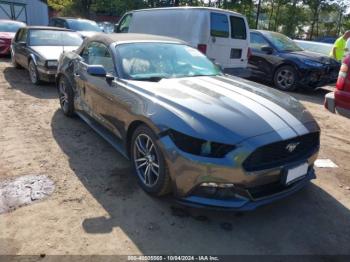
(292, 146)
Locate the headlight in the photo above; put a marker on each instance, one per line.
(52, 63)
(199, 147)
(312, 63)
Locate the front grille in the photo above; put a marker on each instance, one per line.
(277, 154)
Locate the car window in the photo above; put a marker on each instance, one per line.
(82, 25)
(59, 23)
(219, 25)
(22, 36)
(124, 24)
(238, 29)
(54, 38)
(98, 54)
(138, 61)
(282, 42)
(52, 22)
(257, 41)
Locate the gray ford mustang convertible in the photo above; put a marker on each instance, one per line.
(210, 139)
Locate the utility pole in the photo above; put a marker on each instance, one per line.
(257, 15)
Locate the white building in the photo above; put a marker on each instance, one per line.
(32, 12)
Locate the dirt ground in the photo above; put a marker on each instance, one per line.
(97, 207)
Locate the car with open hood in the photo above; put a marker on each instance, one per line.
(38, 49)
(211, 139)
(278, 59)
(8, 29)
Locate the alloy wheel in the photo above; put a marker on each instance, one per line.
(146, 160)
(33, 73)
(285, 78)
(63, 95)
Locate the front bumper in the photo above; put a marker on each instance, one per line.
(245, 204)
(188, 172)
(318, 77)
(47, 74)
(338, 102)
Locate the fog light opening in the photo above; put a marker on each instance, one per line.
(221, 191)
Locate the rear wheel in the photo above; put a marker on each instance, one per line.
(285, 78)
(66, 96)
(148, 162)
(33, 73)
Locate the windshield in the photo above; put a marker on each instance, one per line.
(83, 25)
(10, 27)
(282, 42)
(321, 48)
(142, 61)
(54, 38)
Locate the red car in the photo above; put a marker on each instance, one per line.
(8, 29)
(339, 100)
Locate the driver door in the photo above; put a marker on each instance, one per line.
(99, 96)
(260, 62)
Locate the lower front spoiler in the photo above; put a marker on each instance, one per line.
(244, 204)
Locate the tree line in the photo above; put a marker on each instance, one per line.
(308, 19)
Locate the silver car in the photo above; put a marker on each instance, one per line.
(212, 140)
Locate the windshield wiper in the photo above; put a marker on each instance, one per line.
(201, 75)
(150, 79)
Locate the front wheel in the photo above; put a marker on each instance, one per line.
(66, 96)
(148, 162)
(285, 78)
(33, 73)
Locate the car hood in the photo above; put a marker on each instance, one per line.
(7, 35)
(220, 106)
(312, 56)
(52, 52)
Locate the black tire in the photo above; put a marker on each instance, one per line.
(33, 73)
(14, 62)
(285, 78)
(158, 185)
(66, 96)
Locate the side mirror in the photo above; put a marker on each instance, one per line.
(267, 49)
(96, 70)
(116, 28)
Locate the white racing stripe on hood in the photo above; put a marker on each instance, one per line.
(280, 111)
(284, 131)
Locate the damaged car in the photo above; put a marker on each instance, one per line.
(278, 59)
(37, 49)
(212, 140)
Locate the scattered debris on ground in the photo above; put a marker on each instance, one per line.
(324, 163)
(24, 190)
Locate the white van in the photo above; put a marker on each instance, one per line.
(221, 34)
